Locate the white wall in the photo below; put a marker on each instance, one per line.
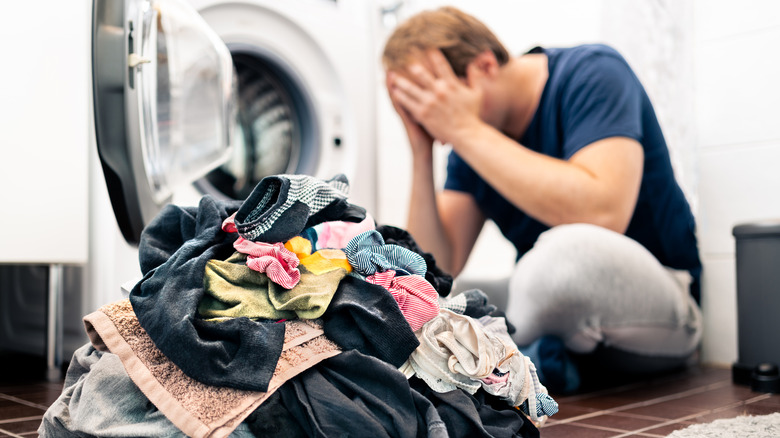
(710, 70)
(737, 96)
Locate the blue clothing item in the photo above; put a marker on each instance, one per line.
(368, 254)
(173, 252)
(476, 415)
(440, 280)
(554, 367)
(99, 399)
(355, 395)
(545, 405)
(591, 94)
(365, 317)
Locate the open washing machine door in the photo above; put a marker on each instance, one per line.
(164, 103)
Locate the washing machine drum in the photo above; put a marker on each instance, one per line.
(277, 127)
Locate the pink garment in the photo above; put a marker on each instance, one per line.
(418, 300)
(336, 234)
(229, 224)
(276, 261)
(495, 378)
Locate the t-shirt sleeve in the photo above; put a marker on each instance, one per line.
(602, 99)
(460, 176)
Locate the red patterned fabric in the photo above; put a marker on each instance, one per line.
(415, 296)
(273, 259)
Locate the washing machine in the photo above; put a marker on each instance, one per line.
(306, 79)
(177, 99)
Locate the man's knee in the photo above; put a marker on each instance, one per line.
(563, 261)
(578, 277)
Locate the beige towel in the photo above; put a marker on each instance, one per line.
(199, 410)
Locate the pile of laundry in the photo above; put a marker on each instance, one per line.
(293, 314)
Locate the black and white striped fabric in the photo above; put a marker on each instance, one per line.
(456, 304)
(280, 205)
(368, 254)
(545, 405)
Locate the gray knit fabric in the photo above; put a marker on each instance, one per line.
(275, 195)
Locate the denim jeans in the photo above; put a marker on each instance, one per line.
(100, 399)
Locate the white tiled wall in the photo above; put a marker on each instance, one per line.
(738, 87)
(737, 97)
(725, 18)
(656, 38)
(719, 344)
(738, 183)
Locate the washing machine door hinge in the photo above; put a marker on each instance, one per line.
(135, 60)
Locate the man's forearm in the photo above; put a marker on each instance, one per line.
(423, 221)
(599, 185)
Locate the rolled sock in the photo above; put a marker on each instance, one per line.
(280, 206)
(545, 405)
(368, 254)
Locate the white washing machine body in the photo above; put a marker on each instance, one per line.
(320, 52)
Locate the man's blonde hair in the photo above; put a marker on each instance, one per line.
(458, 35)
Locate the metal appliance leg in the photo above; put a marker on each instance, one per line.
(54, 324)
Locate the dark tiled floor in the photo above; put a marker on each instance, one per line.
(22, 406)
(24, 394)
(657, 407)
(652, 408)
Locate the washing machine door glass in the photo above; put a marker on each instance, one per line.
(278, 129)
(165, 103)
(188, 114)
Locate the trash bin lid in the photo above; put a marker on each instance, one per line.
(767, 228)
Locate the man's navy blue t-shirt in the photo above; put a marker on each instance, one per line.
(591, 94)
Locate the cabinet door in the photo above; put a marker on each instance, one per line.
(44, 132)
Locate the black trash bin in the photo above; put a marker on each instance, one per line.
(758, 305)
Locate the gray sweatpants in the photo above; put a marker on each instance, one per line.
(590, 286)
